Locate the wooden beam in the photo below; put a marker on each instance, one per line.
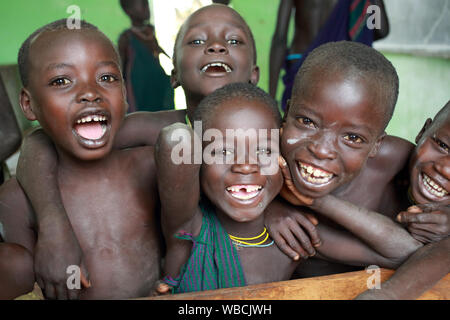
(343, 286)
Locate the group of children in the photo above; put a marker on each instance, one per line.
(117, 205)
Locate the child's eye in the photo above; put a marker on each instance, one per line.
(108, 78)
(60, 82)
(441, 144)
(233, 41)
(306, 121)
(197, 42)
(353, 138)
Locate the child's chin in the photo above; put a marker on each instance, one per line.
(93, 154)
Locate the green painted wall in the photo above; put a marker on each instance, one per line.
(19, 18)
(424, 82)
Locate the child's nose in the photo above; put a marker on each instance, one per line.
(216, 47)
(323, 148)
(245, 168)
(88, 94)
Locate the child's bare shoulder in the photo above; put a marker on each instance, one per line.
(392, 156)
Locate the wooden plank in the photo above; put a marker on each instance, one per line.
(344, 286)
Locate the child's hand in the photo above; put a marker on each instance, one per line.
(288, 191)
(161, 288)
(287, 227)
(427, 222)
(54, 252)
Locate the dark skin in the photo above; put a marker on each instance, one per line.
(10, 135)
(427, 221)
(246, 218)
(211, 40)
(75, 74)
(310, 16)
(336, 128)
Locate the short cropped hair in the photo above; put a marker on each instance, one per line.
(24, 51)
(238, 90)
(182, 30)
(352, 58)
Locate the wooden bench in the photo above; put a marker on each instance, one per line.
(344, 286)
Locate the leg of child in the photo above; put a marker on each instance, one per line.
(16, 271)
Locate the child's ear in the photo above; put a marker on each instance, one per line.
(25, 104)
(288, 105)
(377, 146)
(426, 125)
(254, 77)
(174, 79)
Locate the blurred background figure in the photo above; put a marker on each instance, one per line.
(148, 86)
(317, 22)
(10, 136)
(225, 2)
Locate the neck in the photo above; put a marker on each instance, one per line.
(74, 166)
(139, 23)
(191, 104)
(241, 229)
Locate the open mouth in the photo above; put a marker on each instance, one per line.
(433, 187)
(91, 129)
(244, 191)
(216, 67)
(313, 174)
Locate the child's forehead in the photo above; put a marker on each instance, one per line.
(239, 113)
(215, 16)
(57, 42)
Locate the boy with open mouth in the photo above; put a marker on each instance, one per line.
(216, 237)
(73, 86)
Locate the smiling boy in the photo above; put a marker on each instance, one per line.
(73, 86)
(333, 137)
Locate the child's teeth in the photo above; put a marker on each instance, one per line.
(433, 187)
(314, 175)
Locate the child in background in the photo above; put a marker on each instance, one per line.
(148, 86)
(213, 47)
(74, 87)
(237, 184)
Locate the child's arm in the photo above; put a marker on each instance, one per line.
(142, 128)
(10, 136)
(179, 190)
(427, 222)
(432, 262)
(57, 246)
(381, 233)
